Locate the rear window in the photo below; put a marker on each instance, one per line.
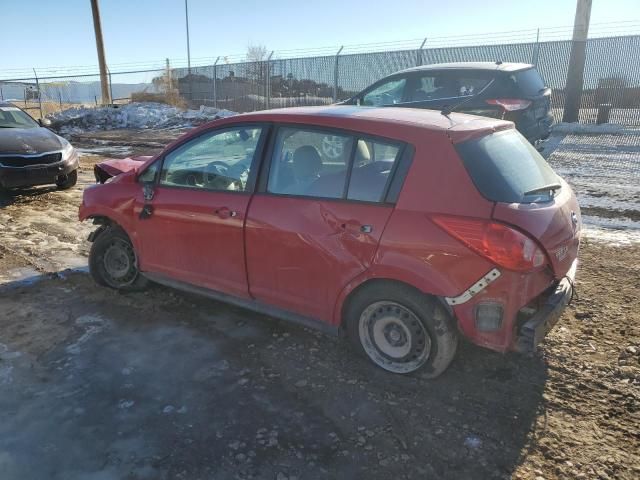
(529, 82)
(505, 167)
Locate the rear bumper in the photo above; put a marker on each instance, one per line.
(36, 175)
(533, 331)
(535, 130)
(530, 305)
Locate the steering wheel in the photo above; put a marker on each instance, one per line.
(216, 175)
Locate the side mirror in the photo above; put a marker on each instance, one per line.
(44, 122)
(147, 191)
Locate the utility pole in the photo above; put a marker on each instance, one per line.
(575, 73)
(104, 84)
(186, 17)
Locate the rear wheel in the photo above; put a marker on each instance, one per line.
(67, 181)
(401, 330)
(113, 261)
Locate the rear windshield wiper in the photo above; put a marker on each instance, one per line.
(552, 187)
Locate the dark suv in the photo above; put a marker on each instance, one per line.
(511, 91)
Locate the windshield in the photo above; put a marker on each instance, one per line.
(13, 117)
(505, 167)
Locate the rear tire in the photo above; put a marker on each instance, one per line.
(70, 180)
(401, 330)
(113, 261)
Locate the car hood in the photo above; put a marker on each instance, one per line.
(28, 141)
(116, 166)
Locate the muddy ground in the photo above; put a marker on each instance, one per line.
(162, 385)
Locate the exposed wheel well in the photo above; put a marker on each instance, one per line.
(104, 222)
(386, 281)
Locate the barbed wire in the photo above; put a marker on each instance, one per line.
(545, 34)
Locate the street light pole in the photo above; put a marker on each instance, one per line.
(186, 17)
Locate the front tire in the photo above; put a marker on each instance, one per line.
(113, 261)
(69, 181)
(401, 330)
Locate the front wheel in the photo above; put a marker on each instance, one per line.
(67, 181)
(401, 330)
(113, 261)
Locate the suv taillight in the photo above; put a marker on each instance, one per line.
(510, 104)
(499, 243)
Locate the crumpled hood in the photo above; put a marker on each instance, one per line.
(116, 166)
(28, 141)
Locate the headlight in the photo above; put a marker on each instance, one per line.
(67, 150)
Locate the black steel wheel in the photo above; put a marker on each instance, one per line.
(113, 261)
(401, 329)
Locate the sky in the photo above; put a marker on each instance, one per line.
(48, 33)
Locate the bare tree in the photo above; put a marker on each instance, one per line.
(256, 55)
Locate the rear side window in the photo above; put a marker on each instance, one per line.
(505, 167)
(372, 167)
(320, 163)
(528, 82)
(310, 163)
(440, 85)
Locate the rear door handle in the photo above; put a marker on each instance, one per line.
(225, 212)
(356, 227)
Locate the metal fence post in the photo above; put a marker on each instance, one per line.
(38, 90)
(268, 80)
(335, 76)
(536, 49)
(110, 85)
(419, 53)
(215, 81)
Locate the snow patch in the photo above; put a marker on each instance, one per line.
(591, 128)
(610, 236)
(138, 115)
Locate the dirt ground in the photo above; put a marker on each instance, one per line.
(160, 385)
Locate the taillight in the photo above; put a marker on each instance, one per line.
(510, 104)
(501, 244)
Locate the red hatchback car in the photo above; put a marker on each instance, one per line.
(402, 228)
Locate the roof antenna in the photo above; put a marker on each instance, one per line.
(446, 110)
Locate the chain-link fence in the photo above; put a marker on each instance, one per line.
(611, 77)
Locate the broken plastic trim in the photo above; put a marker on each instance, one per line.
(476, 288)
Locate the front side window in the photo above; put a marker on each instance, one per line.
(309, 163)
(219, 160)
(389, 93)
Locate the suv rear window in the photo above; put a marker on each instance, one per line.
(504, 167)
(529, 82)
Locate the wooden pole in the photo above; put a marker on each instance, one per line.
(575, 74)
(97, 26)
